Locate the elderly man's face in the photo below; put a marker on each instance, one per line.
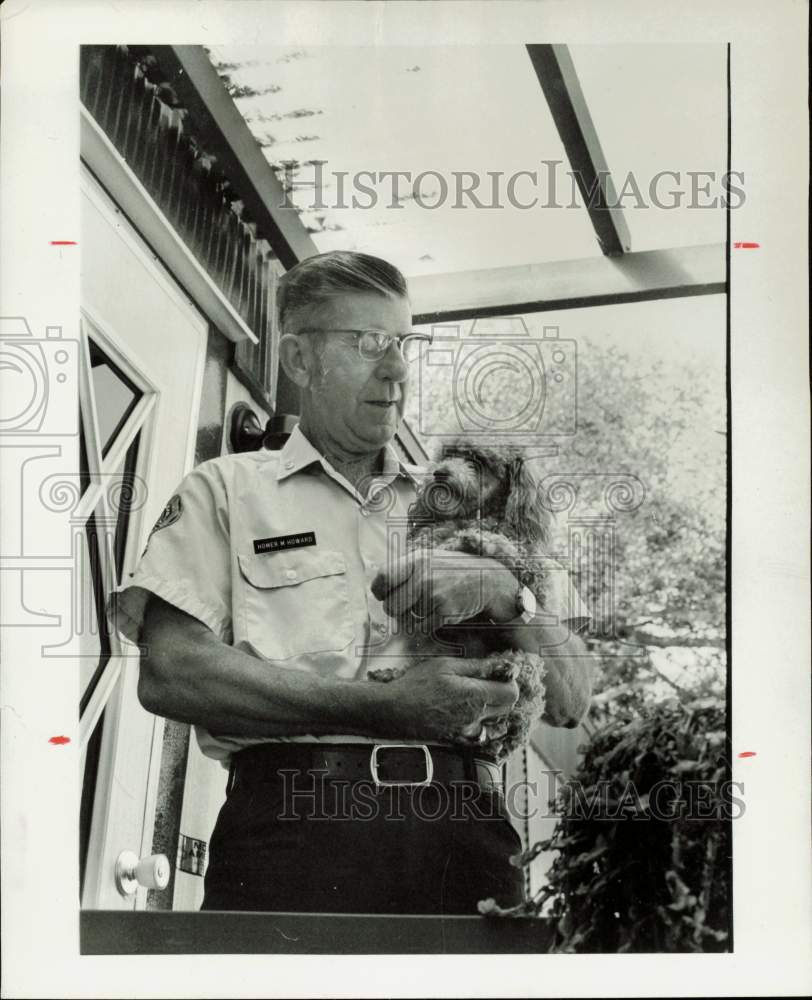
(360, 401)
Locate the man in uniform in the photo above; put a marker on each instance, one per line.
(255, 600)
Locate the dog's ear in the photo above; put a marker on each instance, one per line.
(525, 515)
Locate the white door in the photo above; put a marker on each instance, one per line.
(143, 350)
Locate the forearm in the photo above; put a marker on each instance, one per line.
(187, 674)
(568, 681)
(569, 669)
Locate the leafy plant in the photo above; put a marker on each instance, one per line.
(643, 838)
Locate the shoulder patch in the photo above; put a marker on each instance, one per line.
(169, 514)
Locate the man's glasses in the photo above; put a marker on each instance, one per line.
(373, 344)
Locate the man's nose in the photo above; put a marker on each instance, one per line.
(393, 366)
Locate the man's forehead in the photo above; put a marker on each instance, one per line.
(358, 311)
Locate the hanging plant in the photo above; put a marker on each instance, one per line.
(643, 839)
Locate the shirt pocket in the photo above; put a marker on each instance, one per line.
(296, 602)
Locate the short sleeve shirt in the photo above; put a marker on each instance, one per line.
(275, 552)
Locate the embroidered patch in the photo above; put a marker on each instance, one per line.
(298, 541)
(169, 514)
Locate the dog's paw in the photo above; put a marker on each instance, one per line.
(385, 674)
(501, 667)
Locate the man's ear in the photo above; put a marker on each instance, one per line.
(297, 358)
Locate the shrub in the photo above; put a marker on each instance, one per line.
(643, 838)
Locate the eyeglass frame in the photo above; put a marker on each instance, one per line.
(392, 338)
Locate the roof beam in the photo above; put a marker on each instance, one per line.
(556, 74)
(226, 135)
(569, 284)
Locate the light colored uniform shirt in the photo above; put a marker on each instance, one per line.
(275, 552)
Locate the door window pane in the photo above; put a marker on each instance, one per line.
(114, 394)
(94, 580)
(84, 468)
(128, 499)
(94, 593)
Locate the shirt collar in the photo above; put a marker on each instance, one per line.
(298, 453)
(394, 466)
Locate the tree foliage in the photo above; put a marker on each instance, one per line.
(663, 590)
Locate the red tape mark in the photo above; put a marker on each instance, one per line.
(59, 740)
(63, 243)
(746, 246)
(747, 753)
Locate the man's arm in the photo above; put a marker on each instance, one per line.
(188, 674)
(570, 667)
(440, 588)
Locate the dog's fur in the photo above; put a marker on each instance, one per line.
(483, 501)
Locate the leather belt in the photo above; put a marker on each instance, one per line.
(382, 764)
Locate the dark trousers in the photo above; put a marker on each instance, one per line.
(304, 842)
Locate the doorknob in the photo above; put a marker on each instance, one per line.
(151, 872)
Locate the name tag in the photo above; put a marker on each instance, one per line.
(299, 541)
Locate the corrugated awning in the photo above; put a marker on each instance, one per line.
(337, 122)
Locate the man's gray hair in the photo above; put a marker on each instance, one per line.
(318, 278)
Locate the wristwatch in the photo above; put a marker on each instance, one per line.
(526, 605)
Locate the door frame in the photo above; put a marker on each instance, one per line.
(116, 689)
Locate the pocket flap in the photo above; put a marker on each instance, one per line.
(286, 569)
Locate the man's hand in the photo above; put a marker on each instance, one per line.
(446, 587)
(450, 699)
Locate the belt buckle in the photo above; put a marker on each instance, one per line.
(373, 764)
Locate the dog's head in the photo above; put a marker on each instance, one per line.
(472, 482)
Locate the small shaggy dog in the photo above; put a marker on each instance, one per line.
(483, 501)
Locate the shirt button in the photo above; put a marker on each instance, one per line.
(291, 574)
(289, 464)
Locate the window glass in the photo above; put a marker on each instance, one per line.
(115, 396)
(93, 596)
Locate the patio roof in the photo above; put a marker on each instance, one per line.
(322, 115)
